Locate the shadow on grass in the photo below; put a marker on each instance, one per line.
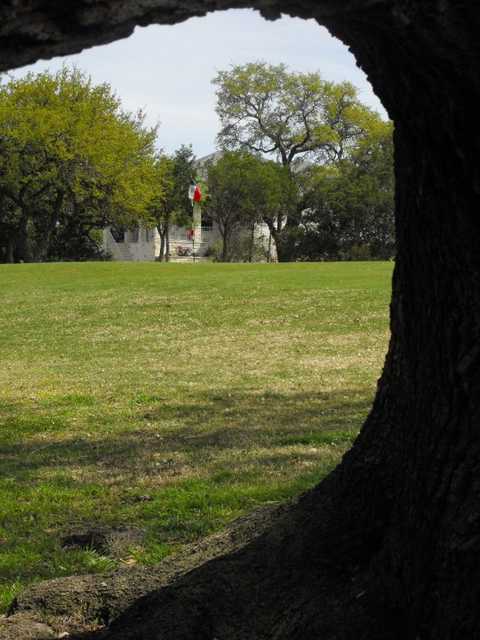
(179, 469)
(166, 434)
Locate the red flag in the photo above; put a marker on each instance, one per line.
(197, 195)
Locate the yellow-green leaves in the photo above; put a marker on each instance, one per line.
(71, 157)
(268, 109)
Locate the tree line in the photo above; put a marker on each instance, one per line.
(300, 155)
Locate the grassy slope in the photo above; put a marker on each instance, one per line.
(207, 388)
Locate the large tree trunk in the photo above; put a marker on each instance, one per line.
(387, 547)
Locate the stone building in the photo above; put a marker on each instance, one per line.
(142, 244)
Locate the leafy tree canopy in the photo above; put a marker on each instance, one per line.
(296, 116)
(232, 194)
(169, 203)
(72, 159)
(347, 210)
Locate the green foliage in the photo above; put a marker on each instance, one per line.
(233, 191)
(183, 171)
(169, 203)
(348, 209)
(267, 109)
(71, 161)
(337, 187)
(277, 202)
(244, 189)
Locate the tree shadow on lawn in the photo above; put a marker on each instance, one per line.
(169, 437)
(178, 469)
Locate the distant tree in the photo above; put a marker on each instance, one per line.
(347, 210)
(233, 195)
(9, 228)
(72, 161)
(295, 116)
(298, 118)
(277, 197)
(372, 169)
(170, 203)
(159, 205)
(184, 170)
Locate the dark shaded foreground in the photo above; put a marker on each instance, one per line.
(82, 603)
(225, 587)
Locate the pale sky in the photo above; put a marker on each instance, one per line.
(167, 70)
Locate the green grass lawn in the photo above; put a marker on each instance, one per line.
(172, 398)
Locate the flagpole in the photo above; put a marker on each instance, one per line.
(195, 195)
(193, 236)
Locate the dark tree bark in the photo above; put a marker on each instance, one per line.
(161, 255)
(226, 229)
(10, 250)
(388, 546)
(251, 244)
(394, 533)
(22, 249)
(167, 244)
(225, 233)
(163, 231)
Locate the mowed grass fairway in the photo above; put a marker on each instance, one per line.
(172, 398)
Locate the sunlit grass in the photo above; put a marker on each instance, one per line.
(172, 398)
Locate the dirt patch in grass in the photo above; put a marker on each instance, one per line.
(81, 604)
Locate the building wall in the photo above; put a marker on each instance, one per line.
(142, 245)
